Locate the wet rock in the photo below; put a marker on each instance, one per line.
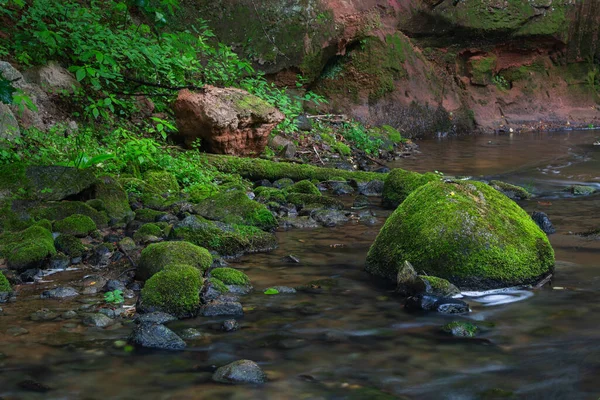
(361, 201)
(292, 259)
(382, 170)
(335, 336)
(60, 261)
(240, 289)
(581, 190)
(114, 284)
(330, 218)
(438, 286)
(511, 191)
(221, 307)
(371, 188)
(190, 334)
(33, 386)
(303, 123)
(43, 315)
(60, 292)
(69, 314)
(444, 305)
(460, 329)
(97, 320)
(283, 289)
(157, 317)
(111, 312)
(90, 290)
(230, 325)
(240, 372)
(16, 331)
(340, 188)
(31, 275)
(304, 222)
(407, 279)
(156, 336)
(5, 297)
(227, 120)
(283, 183)
(542, 220)
(452, 306)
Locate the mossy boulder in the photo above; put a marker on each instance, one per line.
(27, 249)
(159, 191)
(230, 276)
(48, 183)
(227, 240)
(4, 284)
(304, 200)
(269, 194)
(400, 183)
(114, 199)
(77, 225)
(218, 285)
(148, 232)
(305, 187)
(235, 207)
(175, 290)
(465, 232)
(164, 183)
(158, 255)
(55, 211)
(148, 215)
(69, 245)
(511, 191)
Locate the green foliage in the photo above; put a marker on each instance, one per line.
(271, 291)
(360, 137)
(114, 297)
(501, 82)
(4, 284)
(7, 91)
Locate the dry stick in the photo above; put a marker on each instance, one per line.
(318, 156)
(374, 160)
(543, 282)
(129, 258)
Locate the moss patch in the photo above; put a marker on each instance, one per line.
(235, 207)
(461, 329)
(512, 191)
(158, 255)
(467, 233)
(64, 209)
(305, 187)
(230, 276)
(4, 284)
(148, 215)
(70, 245)
(77, 225)
(28, 248)
(400, 183)
(148, 231)
(114, 199)
(218, 285)
(174, 290)
(304, 200)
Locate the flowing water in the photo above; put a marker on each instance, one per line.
(349, 337)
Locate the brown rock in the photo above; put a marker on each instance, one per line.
(227, 120)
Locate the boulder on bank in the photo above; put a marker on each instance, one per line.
(157, 256)
(27, 249)
(174, 290)
(227, 120)
(400, 183)
(465, 232)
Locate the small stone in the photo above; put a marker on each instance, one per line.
(111, 313)
(90, 290)
(406, 278)
(230, 325)
(240, 372)
(461, 329)
(69, 314)
(452, 306)
(114, 284)
(542, 220)
(240, 289)
(59, 293)
(581, 190)
(33, 386)
(16, 331)
(190, 333)
(156, 336)
(60, 261)
(361, 201)
(340, 188)
(282, 289)
(372, 188)
(31, 275)
(157, 317)
(303, 123)
(43, 315)
(97, 320)
(219, 307)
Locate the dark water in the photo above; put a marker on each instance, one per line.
(353, 340)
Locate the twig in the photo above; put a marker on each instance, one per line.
(318, 156)
(374, 160)
(128, 257)
(543, 282)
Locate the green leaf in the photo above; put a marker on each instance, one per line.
(271, 291)
(6, 91)
(80, 74)
(95, 112)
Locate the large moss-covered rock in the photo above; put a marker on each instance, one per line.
(227, 240)
(400, 183)
(48, 183)
(69, 245)
(175, 290)
(114, 199)
(28, 248)
(235, 207)
(148, 232)
(77, 225)
(467, 233)
(60, 210)
(158, 255)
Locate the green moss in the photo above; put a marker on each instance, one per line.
(246, 104)
(114, 199)
(461, 329)
(44, 223)
(156, 256)
(61, 210)
(175, 290)
(305, 187)
(76, 225)
(4, 284)
(230, 276)
(438, 286)
(201, 191)
(267, 194)
(227, 240)
(147, 231)
(96, 204)
(482, 70)
(512, 191)
(400, 183)
(69, 245)
(28, 248)
(257, 169)
(467, 233)
(235, 207)
(148, 215)
(163, 182)
(392, 134)
(303, 200)
(218, 285)
(342, 148)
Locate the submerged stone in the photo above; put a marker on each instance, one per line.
(240, 372)
(156, 336)
(542, 220)
(474, 237)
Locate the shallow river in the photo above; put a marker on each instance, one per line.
(352, 339)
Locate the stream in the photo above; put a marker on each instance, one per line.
(349, 336)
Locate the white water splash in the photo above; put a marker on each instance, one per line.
(497, 297)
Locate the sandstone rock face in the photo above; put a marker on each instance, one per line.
(226, 120)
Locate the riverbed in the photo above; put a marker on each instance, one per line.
(348, 336)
